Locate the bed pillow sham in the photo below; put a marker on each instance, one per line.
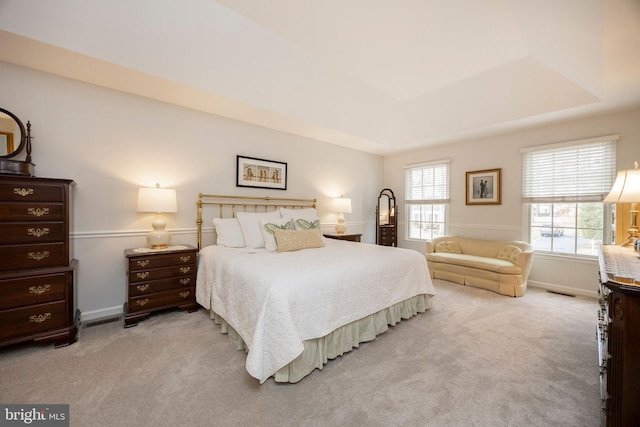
(303, 219)
(228, 232)
(295, 240)
(267, 227)
(250, 225)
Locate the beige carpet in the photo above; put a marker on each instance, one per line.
(475, 359)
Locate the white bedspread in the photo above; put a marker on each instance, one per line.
(275, 301)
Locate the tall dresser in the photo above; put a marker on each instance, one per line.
(37, 287)
(619, 336)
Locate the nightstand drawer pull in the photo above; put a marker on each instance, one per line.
(24, 192)
(38, 211)
(142, 288)
(185, 280)
(38, 232)
(39, 318)
(39, 290)
(38, 256)
(142, 302)
(185, 269)
(142, 275)
(185, 294)
(143, 263)
(185, 258)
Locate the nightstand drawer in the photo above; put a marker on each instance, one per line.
(170, 298)
(32, 319)
(145, 288)
(161, 273)
(33, 232)
(146, 262)
(33, 256)
(32, 290)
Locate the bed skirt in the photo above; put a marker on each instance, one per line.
(317, 352)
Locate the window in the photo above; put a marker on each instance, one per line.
(427, 199)
(563, 188)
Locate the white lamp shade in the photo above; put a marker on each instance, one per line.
(342, 205)
(157, 200)
(626, 188)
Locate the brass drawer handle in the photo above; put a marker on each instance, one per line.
(142, 288)
(185, 269)
(142, 302)
(185, 281)
(24, 192)
(39, 318)
(185, 258)
(38, 232)
(38, 256)
(39, 290)
(38, 211)
(143, 262)
(142, 275)
(185, 294)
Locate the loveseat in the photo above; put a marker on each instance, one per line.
(499, 266)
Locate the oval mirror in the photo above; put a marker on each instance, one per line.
(12, 134)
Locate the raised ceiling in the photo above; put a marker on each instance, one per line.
(376, 75)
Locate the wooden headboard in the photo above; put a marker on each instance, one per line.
(229, 205)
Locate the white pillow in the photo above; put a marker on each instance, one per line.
(303, 219)
(250, 224)
(229, 232)
(268, 225)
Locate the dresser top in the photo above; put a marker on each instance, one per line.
(620, 264)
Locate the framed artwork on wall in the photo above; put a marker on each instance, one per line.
(484, 187)
(261, 173)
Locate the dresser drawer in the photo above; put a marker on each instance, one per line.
(161, 273)
(31, 319)
(32, 212)
(32, 290)
(32, 232)
(147, 262)
(145, 288)
(33, 256)
(29, 191)
(170, 298)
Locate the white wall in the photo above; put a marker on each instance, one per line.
(505, 221)
(112, 143)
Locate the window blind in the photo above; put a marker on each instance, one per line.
(427, 184)
(569, 173)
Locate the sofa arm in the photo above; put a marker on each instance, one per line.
(525, 261)
(430, 247)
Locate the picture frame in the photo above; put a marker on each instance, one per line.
(484, 187)
(260, 173)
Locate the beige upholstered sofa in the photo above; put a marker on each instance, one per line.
(500, 266)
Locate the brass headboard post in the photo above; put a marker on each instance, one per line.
(246, 202)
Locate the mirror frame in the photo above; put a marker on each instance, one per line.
(23, 135)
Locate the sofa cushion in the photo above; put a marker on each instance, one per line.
(509, 253)
(474, 261)
(449, 246)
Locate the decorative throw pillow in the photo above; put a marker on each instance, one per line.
(250, 224)
(449, 246)
(303, 219)
(229, 233)
(268, 225)
(294, 240)
(509, 253)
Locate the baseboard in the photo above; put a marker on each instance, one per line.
(99, 315)
(562, 289)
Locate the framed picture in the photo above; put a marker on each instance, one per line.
(484, 187)
(261, 173)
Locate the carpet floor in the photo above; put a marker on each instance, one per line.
(475, 358)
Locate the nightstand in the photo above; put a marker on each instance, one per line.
(351, 237)
(159, 279)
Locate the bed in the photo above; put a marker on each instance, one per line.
(294, 308)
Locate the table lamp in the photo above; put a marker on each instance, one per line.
(342, 206)
(626, 189)
(158, 200)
